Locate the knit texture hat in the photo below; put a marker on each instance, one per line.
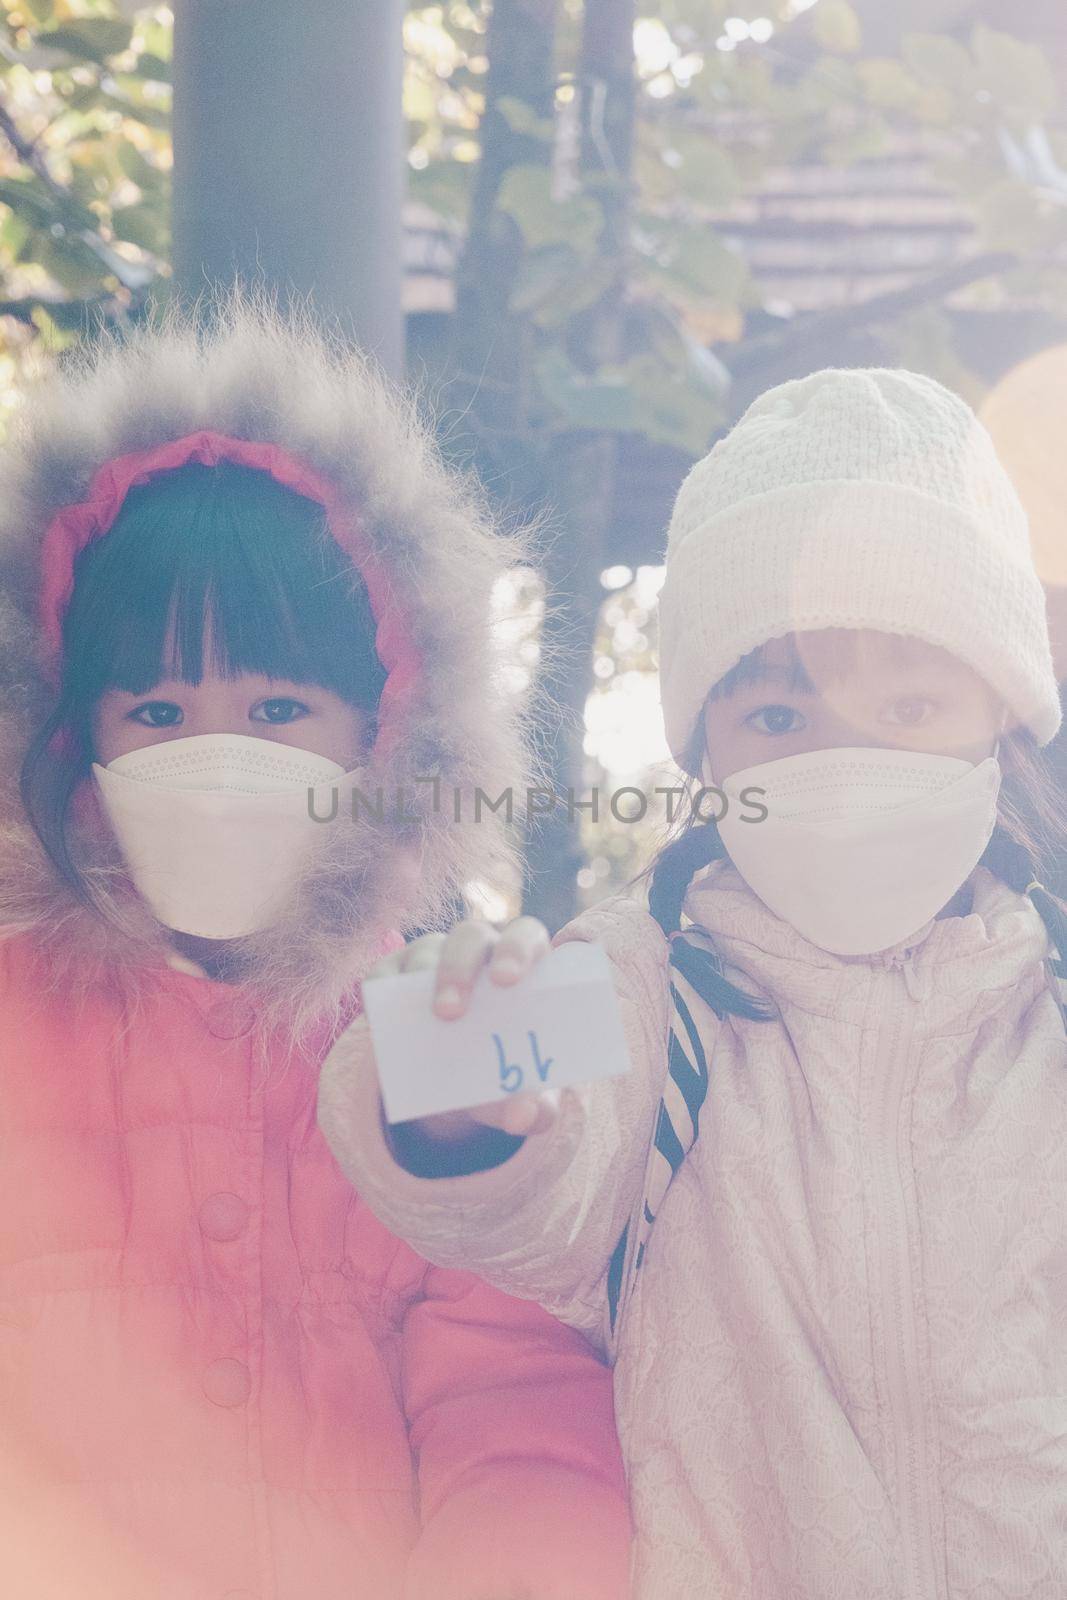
(853, 498)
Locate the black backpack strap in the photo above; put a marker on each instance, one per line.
(677, 1121)
(1057, 979)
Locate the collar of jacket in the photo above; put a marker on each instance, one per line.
(965, 966)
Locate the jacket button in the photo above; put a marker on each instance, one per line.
(230, 1019)
(227, 1382)
(223, 1216)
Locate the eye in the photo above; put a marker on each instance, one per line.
(156, 714)
(279, 710)
(911, 711)
(775, 720)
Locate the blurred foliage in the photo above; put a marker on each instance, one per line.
(85, 167)
(85, 162)
(728, 90)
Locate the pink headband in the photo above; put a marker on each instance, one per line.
(75, 526)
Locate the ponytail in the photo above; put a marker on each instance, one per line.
(675, 868)
(1054, 916)
(1029, 843)
(671, 874)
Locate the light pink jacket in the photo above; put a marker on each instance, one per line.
(844, 1372)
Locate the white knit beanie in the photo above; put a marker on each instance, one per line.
(865, 497)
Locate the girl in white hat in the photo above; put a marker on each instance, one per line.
(823, 1221)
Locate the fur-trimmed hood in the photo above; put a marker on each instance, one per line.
(276, 379)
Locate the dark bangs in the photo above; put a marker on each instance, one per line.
(205, 567)
(845, 652)
(222, 556)
(752, 668)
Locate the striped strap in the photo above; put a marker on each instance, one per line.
(677, 1120)
(1057, 971)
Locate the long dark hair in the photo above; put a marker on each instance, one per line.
(1028, 844)
(221, 554)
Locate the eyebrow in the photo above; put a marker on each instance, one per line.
(753, 674)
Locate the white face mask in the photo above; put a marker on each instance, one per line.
(860, 847)
(216, 828)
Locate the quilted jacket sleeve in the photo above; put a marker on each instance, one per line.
(543, 1224)
(522, 1489)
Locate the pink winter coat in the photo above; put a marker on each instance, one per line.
(843, 1373)
(221, 1377)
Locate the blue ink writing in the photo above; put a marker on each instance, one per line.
(542, 1067)
(510, 1073)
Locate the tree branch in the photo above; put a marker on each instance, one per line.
(748, 356)
(28, 152)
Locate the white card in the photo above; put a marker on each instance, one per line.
(560, 1025)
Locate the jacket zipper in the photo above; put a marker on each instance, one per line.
(904, 1367)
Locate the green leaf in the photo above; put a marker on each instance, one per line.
(135, 167)
(28, 200)
(67, 316)
(667, 401)
(702, 168)
(89, 38)
(1017, 75)
(603, 402)
(869, 139)
(940, 60)
(142, 224)
(75, 267)
(151, 116)
(837, 27)
(522, 118)
(152, 67)
(15, 232)
(158, 37)
(31, 199)
(39, 10)
(696, 263)
(54, 329)
(580, 293)
(540, 276)
(1013, 218)
(444, 186)
(554, 285)
(887, 83)
(526, 195)
(670, 408)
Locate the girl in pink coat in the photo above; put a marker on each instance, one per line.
(822, 1222)
(234, 571)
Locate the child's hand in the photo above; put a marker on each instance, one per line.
(459, 957)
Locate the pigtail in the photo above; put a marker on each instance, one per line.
(671, 875)
(1012, 862)
(1054, 916)
(1008, 859)
(1030, 840)
(675, 868)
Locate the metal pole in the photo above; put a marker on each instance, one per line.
(289, 156)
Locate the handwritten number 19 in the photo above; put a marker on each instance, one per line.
(511, 1074)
